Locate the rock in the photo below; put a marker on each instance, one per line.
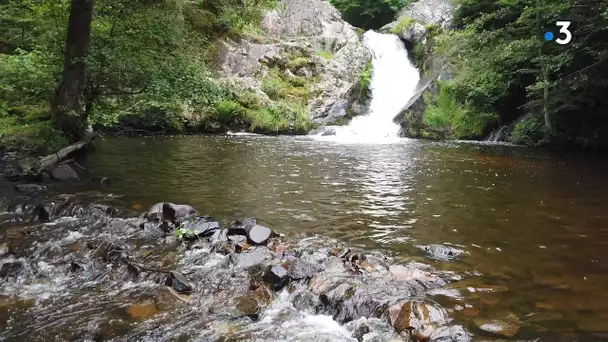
(170, 212)
(253, 302)
(322, 284)
(178, 282)
(418, 318)
(259, 235)
(29, 189)
(506, 326)
(201, 227)
(300, 269)
(68, 170)
(335, 265)
(251, 258)
(11, 269)
(430, 12)
(304, 300)
(167, 299)
(276, 277)
(442, 252)
(298, 29)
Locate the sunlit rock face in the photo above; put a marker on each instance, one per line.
(305, 38)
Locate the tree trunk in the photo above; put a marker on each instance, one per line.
(69, 113)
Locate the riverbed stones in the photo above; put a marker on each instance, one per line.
(276, 277)
(257, 234)
(199, 227)
(506, 326)
(179, 283)
(28, 189)
(166, 211)
(68, 170)
(300, 269)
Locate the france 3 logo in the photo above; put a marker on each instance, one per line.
(563, 25)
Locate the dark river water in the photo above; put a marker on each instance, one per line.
(534, 225)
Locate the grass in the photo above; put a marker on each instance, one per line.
(404, 23)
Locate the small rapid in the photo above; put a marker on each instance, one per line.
(394, 80)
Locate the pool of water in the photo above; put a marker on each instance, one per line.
(533, 224)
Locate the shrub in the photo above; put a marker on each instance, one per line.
(403, 23)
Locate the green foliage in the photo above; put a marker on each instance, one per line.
(369, 14)
(403, 23)
(365, 81)
(503, 65)
(445, 113)
(149, 66)
(528, 131)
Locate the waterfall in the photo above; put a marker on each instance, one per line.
(393, 83)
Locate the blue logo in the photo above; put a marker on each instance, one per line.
(548, 36)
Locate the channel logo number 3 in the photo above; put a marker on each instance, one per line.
(563, 25)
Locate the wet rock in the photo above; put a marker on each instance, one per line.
(322, 284)
(304, 300)
(412, 273)
(299, 269)
(11, 269)
(225, 248)
(68, 170)
(254, 302)
(276, 277)
(507, 326)
(237, 239)
(167, 299)
(256, 233)
(170, 212)
(251, 258)
(179, 283)
(29, 189)
(339, 293)
(335, 265)
(109, 251)
(200, 227)
(442, 252)
(418, 318)
(40, 213)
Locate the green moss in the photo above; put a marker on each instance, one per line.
(298, 62)
(325, 54)
(404, 23)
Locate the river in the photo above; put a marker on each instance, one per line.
(531, 224)
(534, 225)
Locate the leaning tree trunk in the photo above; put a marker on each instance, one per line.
(69, 105)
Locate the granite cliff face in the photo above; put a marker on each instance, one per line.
(304, 39)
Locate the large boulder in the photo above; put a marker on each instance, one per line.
(305, 38)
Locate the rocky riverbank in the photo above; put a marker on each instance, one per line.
(79, 266)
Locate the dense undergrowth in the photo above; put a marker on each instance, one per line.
(505, 73)
(149, 69)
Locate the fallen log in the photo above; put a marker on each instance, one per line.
(52, 160)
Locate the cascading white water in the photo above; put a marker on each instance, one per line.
(393, 83)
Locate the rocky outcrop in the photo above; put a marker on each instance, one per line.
(305, 38)
(412, 21)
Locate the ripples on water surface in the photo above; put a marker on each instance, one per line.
(534, 225)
